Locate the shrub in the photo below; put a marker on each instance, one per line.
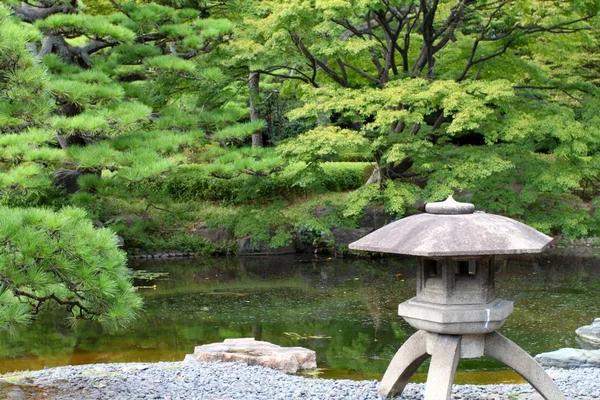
(191, 183)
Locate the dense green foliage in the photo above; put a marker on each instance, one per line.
(156, 117)
(189, 183)
(60, 258)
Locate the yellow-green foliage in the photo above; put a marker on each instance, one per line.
(322, 144)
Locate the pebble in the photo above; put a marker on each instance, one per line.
(231, 381)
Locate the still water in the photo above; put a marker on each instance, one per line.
(345, 310)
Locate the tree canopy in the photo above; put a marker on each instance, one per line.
(234, 113)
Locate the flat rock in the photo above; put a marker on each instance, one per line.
(254, 352)
(570, 358)
(590, 334)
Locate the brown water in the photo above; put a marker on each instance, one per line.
(343, 309)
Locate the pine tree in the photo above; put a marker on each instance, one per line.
(135, 91)
(47, 258)
(59, 259)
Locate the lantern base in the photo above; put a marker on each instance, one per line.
(466, 319)
(445, 353)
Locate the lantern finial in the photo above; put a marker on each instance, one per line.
(449, 206)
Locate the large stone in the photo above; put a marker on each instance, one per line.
(67, 178)
(570, 358)
(590, 334)
(248, 246)
(348, 235)
(215, 235)
(254, 352)
(375, 217)
(120, 241)
(323, 211)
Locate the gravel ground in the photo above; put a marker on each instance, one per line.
(224, 381)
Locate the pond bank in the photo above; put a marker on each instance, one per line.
(222, 381)
(580, 247)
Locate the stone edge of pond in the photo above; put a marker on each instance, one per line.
(207, 381)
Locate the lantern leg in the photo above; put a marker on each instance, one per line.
(404, 364)
(444, 360)
(509, 353)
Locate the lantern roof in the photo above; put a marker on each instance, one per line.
(450, 228)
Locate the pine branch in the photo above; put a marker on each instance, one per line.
(42, 299)
(33, 13)
(70, 54)
(150, 37)
(71, 304)
(97, 45)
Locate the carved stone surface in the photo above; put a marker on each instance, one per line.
(455, 299)
(456, 319)
(348, 235)
(449, 206)
(439, 235)
(254, 352)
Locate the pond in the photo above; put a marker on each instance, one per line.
(345, 310)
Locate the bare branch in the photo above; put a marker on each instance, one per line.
(364, 74)
(97, 45)
(316, 62)
(512, 35)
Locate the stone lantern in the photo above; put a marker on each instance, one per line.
(456, 310)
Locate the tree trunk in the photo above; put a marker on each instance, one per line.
(253, 85)
(375, 175)
(54, 43)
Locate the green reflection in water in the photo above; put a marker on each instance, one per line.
(344, 310)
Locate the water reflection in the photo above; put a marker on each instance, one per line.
(345, 310)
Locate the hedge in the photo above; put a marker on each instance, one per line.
(191, 183)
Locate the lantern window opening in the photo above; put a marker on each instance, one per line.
(466, 268)
(433, 269)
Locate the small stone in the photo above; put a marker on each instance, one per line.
(16, 393)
